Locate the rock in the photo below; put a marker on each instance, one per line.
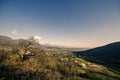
(82, 65)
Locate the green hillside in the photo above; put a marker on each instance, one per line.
(108, 55)
(27, 60)
(49, 65)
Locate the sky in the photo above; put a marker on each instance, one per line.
(70, 23)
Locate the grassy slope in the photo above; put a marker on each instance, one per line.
(108, 55)
(50, 65)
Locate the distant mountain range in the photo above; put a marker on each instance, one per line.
(108, 55)
(7, 41)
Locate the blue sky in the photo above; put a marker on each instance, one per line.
(71, 23)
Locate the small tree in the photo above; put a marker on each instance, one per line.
(24, 47)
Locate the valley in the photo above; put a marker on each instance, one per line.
(30, 61)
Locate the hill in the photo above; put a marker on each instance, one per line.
(27, 60)
(5, 40)
(108, 55)
(49, 65)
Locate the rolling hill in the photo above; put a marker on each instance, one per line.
(5, 40)
(47, 63)
(108, 55)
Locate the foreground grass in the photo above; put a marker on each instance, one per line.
(51, 65)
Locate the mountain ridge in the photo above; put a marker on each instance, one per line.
(108, 55)
(7, 41)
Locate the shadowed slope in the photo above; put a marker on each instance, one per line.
(108, 55)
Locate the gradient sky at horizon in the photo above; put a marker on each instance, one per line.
(71, 23)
